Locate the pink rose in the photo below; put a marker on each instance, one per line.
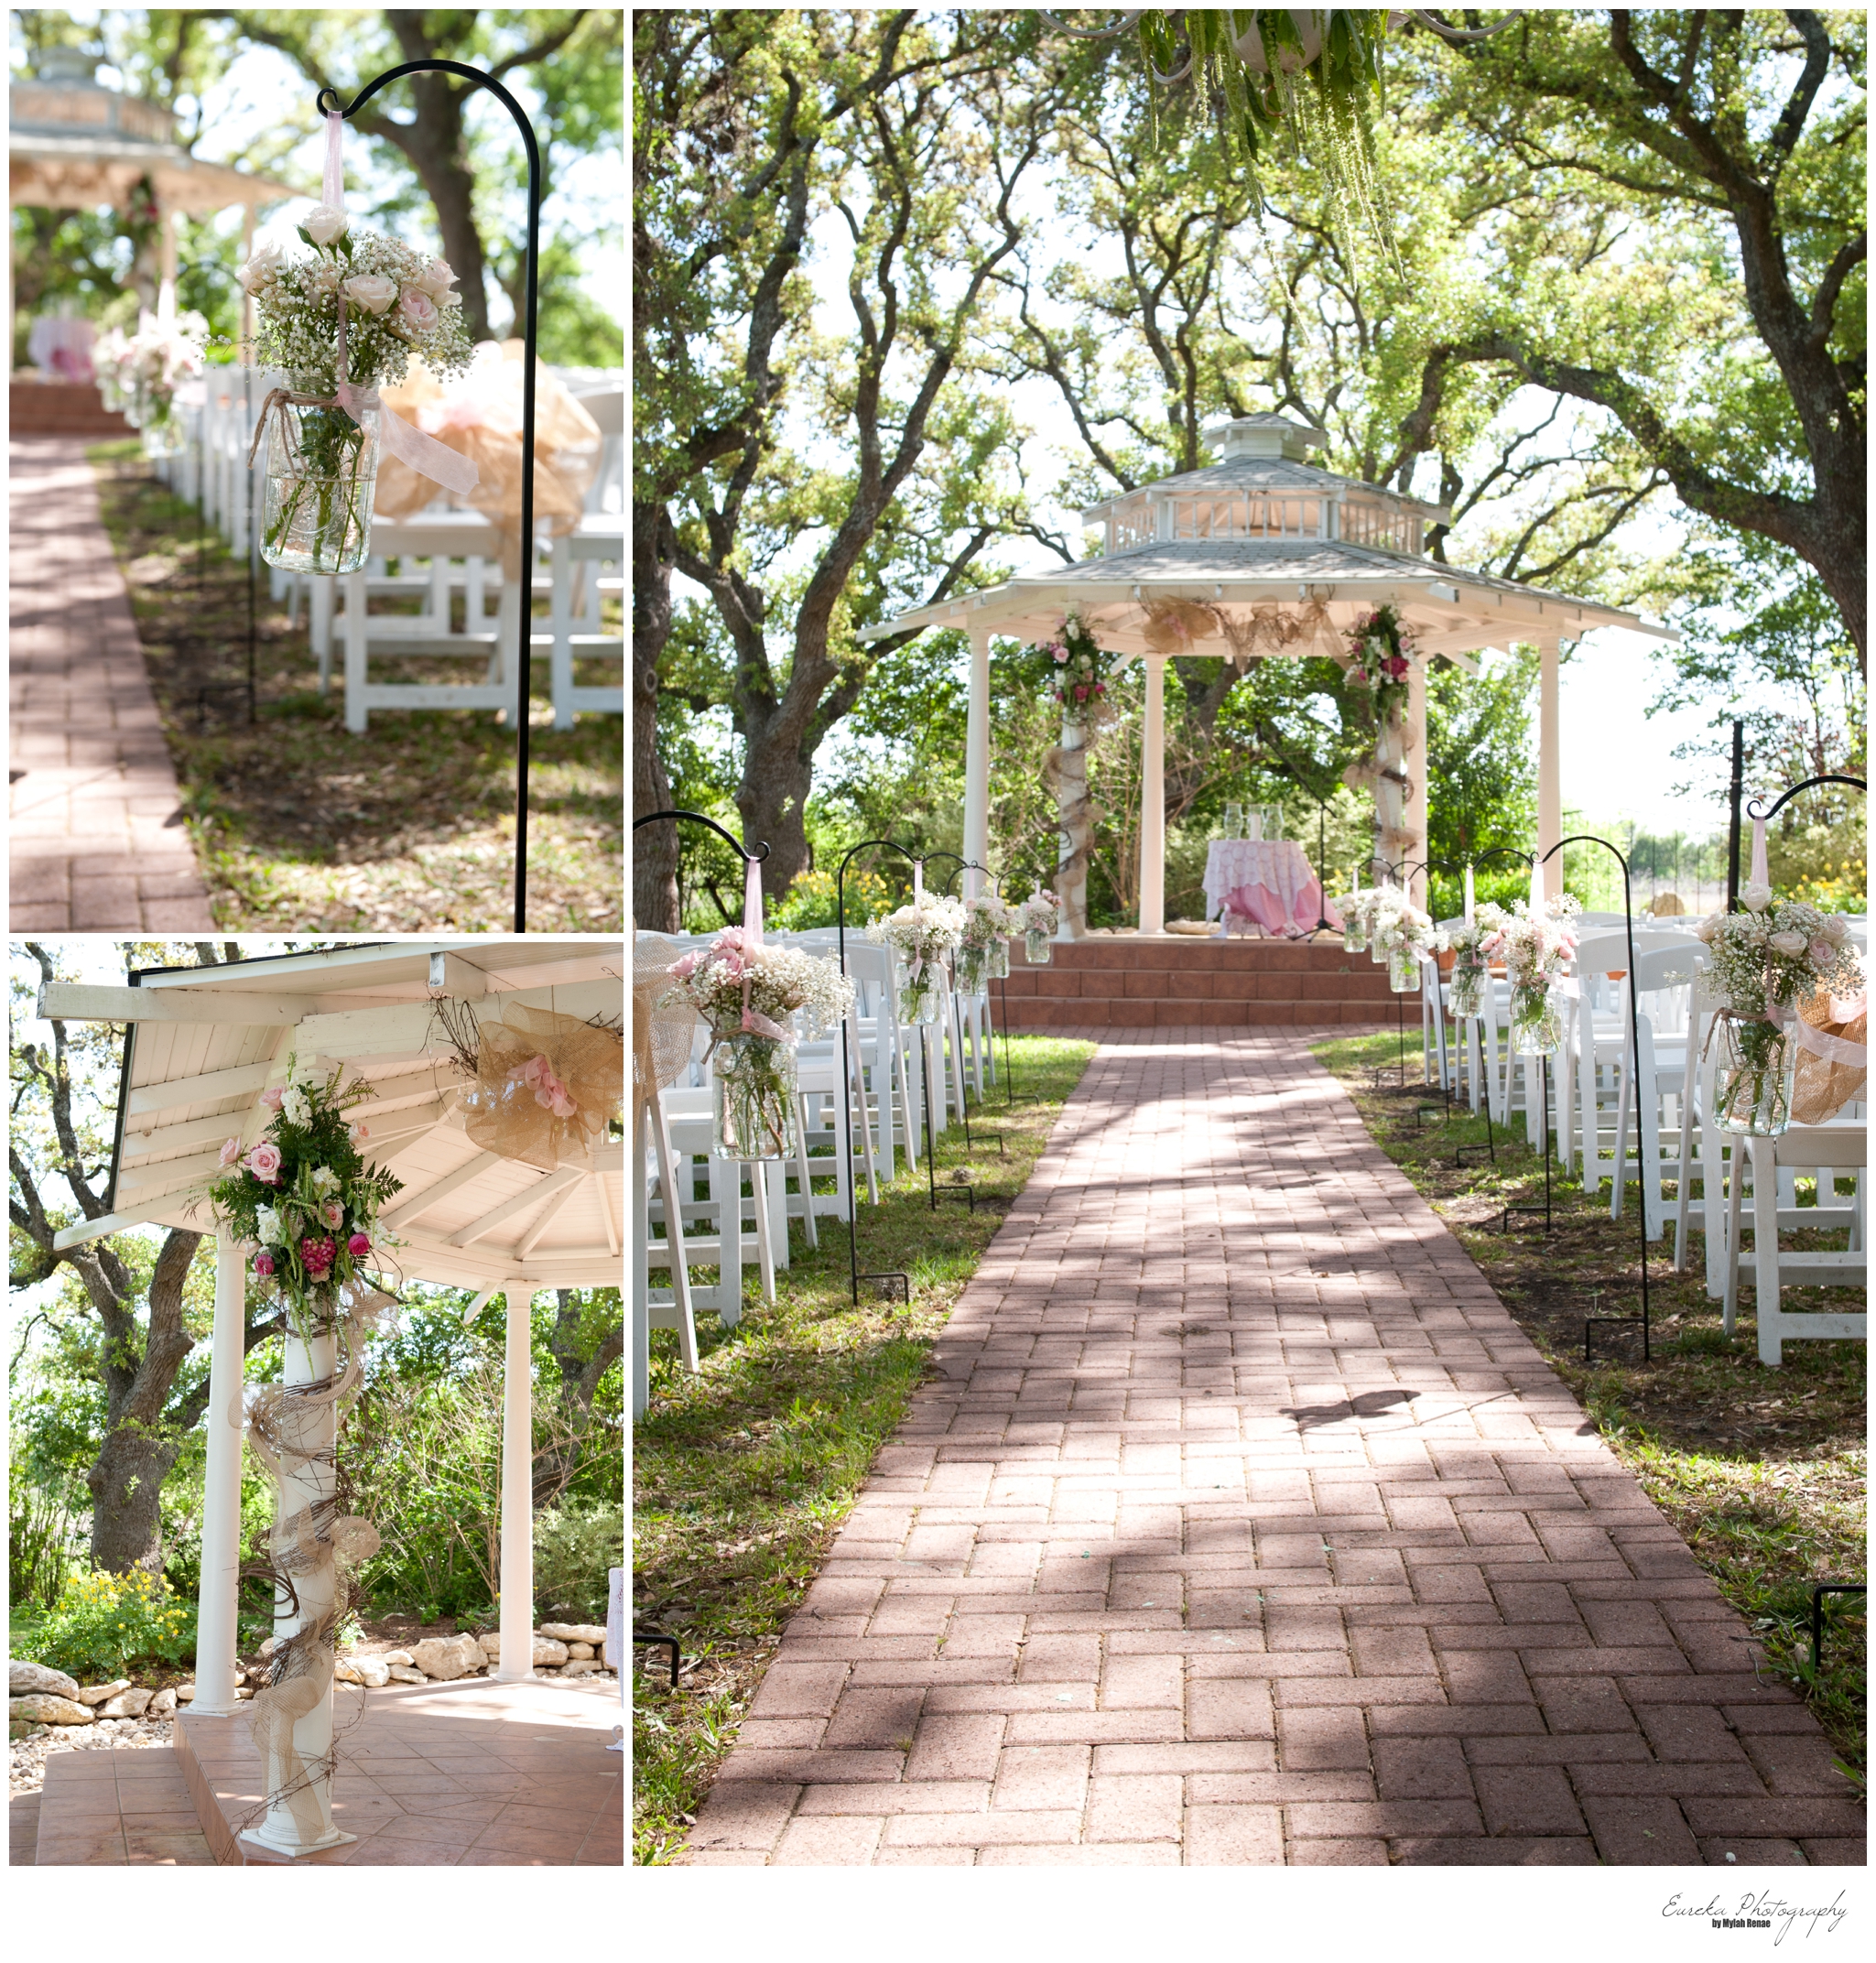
(1061, 654)
(230, 1151)
(264, 1263)
(359, 1132)
(358, 1246)
(333, 1214)
(317, 1256)
(1822, 952)
(271, 1099)
(263, 1162)
(417, 306)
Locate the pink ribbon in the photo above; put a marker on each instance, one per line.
(754, 1023)
(1759, 876)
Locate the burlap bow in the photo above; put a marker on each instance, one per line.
(664, 1024)
(546, 1086)
(1832, 1035)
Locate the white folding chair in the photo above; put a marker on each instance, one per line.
(1829, 1150)
(575, 629)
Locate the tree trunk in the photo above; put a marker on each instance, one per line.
(773, 799)
(126, 1483)
(655, 898)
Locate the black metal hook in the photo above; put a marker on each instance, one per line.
(696, 817)
(1752, 810)
(530, 339)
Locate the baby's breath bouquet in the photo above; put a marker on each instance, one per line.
(140, 374)
(1472, 973)
(921, 934)
(1537, 947)
(1042, 919)
(751, 995)
(1405, 936)
(1766, 961)
(988, 925)
(322, 452)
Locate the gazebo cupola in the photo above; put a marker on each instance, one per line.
(1264, 487)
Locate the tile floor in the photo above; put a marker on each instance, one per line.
(469, 1775)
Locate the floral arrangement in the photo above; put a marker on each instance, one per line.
(1466, 940)
(987, 918)
(925, 931)
(137, 374)
(1536, 945)
(1771, 957)
(734, 973)
(1041, 912)
(1400, 928)
(1380, 650)
(1077, 662)
(304, 1193)
(397, 303)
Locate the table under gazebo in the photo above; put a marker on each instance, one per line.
(1262, 554)
(203, 1044)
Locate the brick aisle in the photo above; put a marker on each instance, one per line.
(95, 825)
(1248, 1528)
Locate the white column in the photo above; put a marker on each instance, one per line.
(1071, 797)
(1549, 766)
(976, 760)
(1414, 817)
(215, 1606)
(517, 1490)
(166, 290)
(1152, 800)
(302, 1823)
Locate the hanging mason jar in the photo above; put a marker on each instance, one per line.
(1536, 1016)
(1403, 970)
(322, 472)
(159, 422)
(753, 1098)
(1036, 946)
(971, 974)
(999, 968)
(921, 996)
(1354, 935)
(1756, 1063)
(1467, 995)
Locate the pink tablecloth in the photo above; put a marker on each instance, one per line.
(1264, 880)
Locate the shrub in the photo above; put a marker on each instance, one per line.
(102, 1622)
(813, 901)
(574, 1544)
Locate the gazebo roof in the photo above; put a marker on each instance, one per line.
(203, 1043)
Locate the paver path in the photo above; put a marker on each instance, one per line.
(1248, 1527)
(96, 824)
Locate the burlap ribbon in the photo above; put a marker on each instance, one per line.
(546, 1086)
(664, 1024)
(1832, 1035)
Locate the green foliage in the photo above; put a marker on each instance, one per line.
(102, 1622)
(1480, 777)
(574, 1546)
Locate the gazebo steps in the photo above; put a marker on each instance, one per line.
(125, 1807)
(62, 408)
(1146, 982)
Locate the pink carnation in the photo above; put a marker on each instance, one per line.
(264, 1263)
(358, 1246)
(230, 1151)
(263, 1162)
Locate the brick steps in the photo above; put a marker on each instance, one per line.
(1125, 981)
(62, 408)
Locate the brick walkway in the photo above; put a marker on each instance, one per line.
(97, 837)
(1248, 1528)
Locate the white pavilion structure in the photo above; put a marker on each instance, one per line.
(1264, 552)
(203, 1044)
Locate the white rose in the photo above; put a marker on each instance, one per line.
(323, 224)
(1836, 929)
(1707, 930)
(1756, 898)
(1786, 943)
(269, 1224)
(263, 263)
(372, 291)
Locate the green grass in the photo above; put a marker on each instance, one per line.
(745, 1473)
(1761, 1469)
(299, 825)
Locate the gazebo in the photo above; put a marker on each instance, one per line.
(200, 1046)
(1265, 553)
(72, 143)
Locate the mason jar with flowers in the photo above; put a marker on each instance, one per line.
(151, 365)
(304, 1196)
(1537, 947)
(1353, 908)
(340, 325)
(1041, 914)
(1767, 961)
(758, 999)
(1404, 937)
(1472, 973)
(987, 924)
(921, 934)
